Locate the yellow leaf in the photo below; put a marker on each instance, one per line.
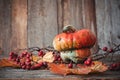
(36, 58)
(48, 57)
(98, 66)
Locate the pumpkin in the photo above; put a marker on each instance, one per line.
(75, 55)
(72, 39)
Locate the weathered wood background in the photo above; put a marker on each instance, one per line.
(28, 23)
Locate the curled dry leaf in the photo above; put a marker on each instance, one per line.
(80, 69)
(98, 67)
(7, 63)
(48, 57)
(36, 58)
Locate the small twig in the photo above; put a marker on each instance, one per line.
(99, 56)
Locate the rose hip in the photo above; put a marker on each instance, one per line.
(105, 49)
(88, 62)
(110, 50)
(11, 53)
(70, 65)
(40, 53)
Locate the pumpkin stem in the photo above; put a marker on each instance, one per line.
(69, 29)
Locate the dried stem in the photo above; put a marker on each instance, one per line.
(98, 56)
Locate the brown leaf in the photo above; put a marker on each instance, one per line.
(59, 68)
(64, 70)
(81, 70)
(7, 63)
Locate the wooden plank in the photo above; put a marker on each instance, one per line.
(42, 22)
(60, 15)
(107, 13)
(72, 13)
(8, 73)
(115, 21)
(5, 29)
(19, 24)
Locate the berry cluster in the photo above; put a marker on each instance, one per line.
(57, 57)
(108, 50)
(25, 60)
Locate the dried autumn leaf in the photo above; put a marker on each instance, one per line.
(98, 66)
(48, 57)
(7, 63)
(59, 68)
(64, 70)
(80, 69)
(36, 58)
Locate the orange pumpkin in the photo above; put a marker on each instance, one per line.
(72, 39)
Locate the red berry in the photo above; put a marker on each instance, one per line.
(27, 63)
(110, 50)
(11, 53)
(114, 65)
(28, 55)
(70, 65)
(105, 49)
(14, 59)
(17, 60)
(28, 60)
(56, 57)
(87, 62)
(23, 63)
(59, 59)
(45, 63)
(40, 53)
(25, 53)
(23, 67)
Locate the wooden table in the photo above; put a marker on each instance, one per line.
(19, 74)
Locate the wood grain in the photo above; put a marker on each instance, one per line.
(107, 13)
(19, 24)
(19, 74)
(42, 22)
(89, 18)
(5, 29)
(72, 13)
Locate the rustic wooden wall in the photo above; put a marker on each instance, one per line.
(108, 22)
(28, 23)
